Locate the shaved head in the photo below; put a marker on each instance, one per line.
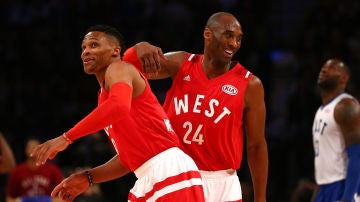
(215, 19)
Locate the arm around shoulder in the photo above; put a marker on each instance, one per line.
(150, 60)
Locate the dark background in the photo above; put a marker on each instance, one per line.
(43, 90)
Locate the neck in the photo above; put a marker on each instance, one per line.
(326, 96)
(214, 68)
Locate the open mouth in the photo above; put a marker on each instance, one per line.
(229, 52)
(87, 60)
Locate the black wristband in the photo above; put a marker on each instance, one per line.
(87, 173)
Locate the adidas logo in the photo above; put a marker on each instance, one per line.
(186, 78)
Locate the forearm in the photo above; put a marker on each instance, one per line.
(149, 60)
(352, 174)
(8, 160)
(112, 169)
(11, 199)
(258, 164)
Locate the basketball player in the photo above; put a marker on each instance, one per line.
(336, 136)
(135, 123)
(211, 100)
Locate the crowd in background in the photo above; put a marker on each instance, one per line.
(44, 90)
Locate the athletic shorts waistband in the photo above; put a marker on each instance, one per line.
(217, 173)
(145, 168)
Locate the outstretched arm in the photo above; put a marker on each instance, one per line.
(79, 182)
(254, 119)
(116, 107)
(7, 159)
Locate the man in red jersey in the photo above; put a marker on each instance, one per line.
(29, 182)
(135, 123)
(211, 100)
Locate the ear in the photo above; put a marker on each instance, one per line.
(207, 33)
(116, 51)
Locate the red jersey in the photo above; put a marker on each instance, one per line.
(207, 114)
(144, 133)
(24, 181)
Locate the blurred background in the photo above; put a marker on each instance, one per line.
(44, 91)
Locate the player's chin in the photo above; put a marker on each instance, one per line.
(88, 70)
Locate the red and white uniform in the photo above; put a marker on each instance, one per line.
(147, 145)
(24, 181)
(207, 116)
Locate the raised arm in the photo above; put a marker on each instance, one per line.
(7, 159)
(150, 60)
(254, 119)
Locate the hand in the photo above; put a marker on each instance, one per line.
(150, 57)
(71, 187)
(49, 149)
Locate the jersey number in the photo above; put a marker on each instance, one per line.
(196, 135)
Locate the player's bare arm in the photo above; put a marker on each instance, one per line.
(255, 115)
(78, 182)
(154, 63)
(347, 115)
(7, 162)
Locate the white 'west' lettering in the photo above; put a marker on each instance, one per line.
(181, 105)
(197, 103)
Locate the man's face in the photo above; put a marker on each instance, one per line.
(226, 38)
(329, 75)
(97, 51)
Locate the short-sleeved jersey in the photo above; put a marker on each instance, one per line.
(207, 114)
(330, 154)
(24, 181)
(143, 133)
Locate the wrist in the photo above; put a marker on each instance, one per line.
(89, 177)
(66, 137)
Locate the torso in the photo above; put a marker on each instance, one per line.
(330, 155)
(144, 133)
(207, 114)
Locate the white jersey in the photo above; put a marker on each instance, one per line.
(330, 155)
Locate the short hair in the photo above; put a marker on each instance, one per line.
(109, 30)
(215, 18)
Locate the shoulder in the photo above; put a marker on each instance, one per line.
(120, 69)
(119, 66)
(347, 110)
(255, 83)
(347, 104)
(254, 94)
